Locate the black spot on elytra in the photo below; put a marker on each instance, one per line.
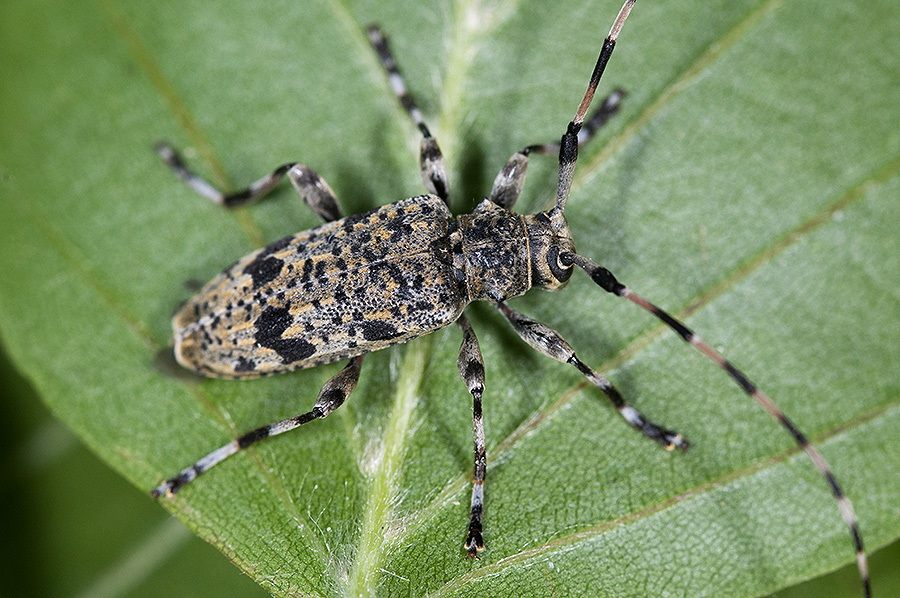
(353, 219)
(270, 327)
(423, 306)
(307, 271)
(244, 365)
(377, 330)
(392, 271)
(400, 230)
(277, 246)
(263, 270)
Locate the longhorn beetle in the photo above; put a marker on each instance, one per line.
(362, 283)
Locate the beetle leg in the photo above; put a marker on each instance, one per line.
(332, 396)
(511, 178)
(550, 343)
(314, 191)
(471, 369)
(431, 160)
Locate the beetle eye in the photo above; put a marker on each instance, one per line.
(560, 271)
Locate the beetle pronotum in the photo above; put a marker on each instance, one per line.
(362, 283)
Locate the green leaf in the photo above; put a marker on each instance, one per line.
(749, 184)
(76, 528)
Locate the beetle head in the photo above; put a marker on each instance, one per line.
(549, 238)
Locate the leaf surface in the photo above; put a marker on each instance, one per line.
(750, 184)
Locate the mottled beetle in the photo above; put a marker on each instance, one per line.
(362, 283)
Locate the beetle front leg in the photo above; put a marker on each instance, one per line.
(550, 343)
(511, 178)
(471, 369)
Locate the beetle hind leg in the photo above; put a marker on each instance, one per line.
(431, 160)
(312, 188)
(332, 396)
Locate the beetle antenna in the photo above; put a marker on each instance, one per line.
(568, 145)
(607, 281)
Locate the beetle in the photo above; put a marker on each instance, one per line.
(366, 282)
